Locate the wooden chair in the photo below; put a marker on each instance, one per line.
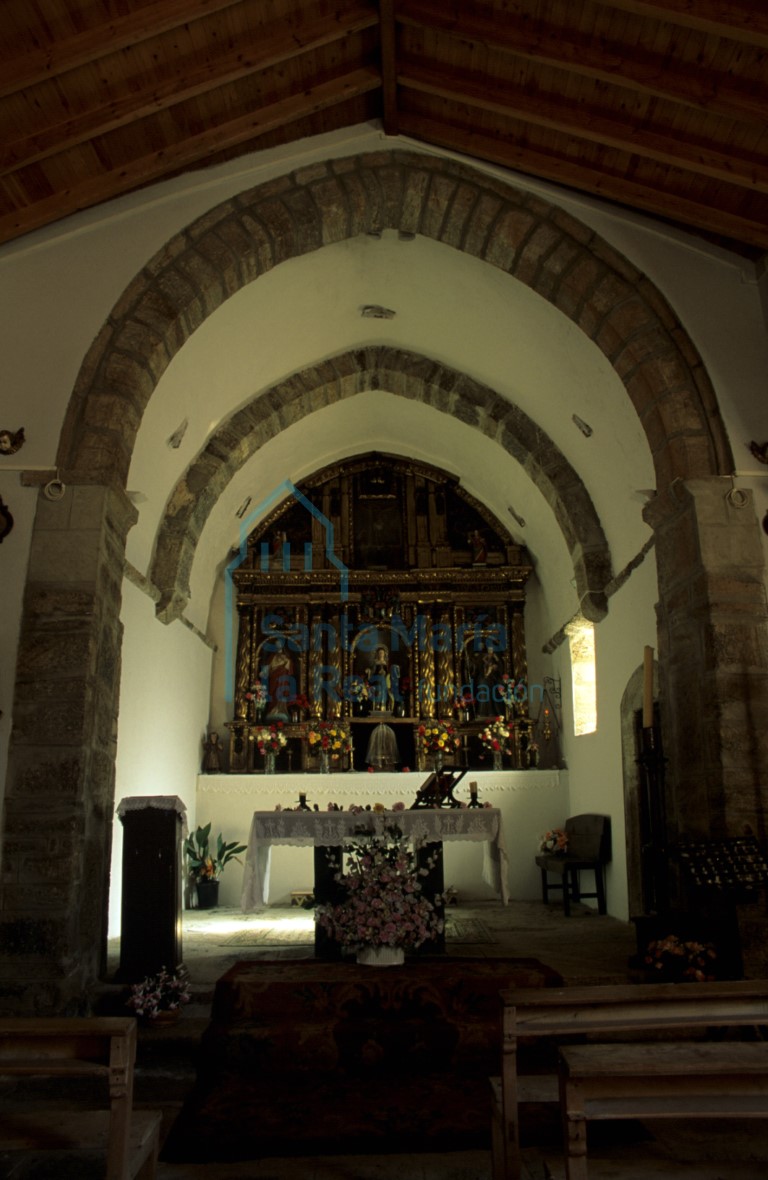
(589, 847)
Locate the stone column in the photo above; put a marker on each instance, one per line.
(713, 657)
(713, 675)
(60, 795)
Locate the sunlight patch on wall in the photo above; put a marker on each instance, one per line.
(581, 637)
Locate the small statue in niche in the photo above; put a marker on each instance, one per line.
(6, 520)
(11, 441)
(212, 754)
(479, 547)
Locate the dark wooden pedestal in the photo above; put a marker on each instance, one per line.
(150, 935)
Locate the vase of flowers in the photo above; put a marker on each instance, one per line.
(269, 741)
(158, 999)
(331, 741)
(255, 700)
(357, 692)
(383, 909)
(676, 960)
(437, 739)
(462, 706)
(555, 840)
(298, 707)
(496, 739)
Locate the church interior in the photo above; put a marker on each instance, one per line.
(384, 430)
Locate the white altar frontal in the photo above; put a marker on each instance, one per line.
(528, 801)
(332, 829)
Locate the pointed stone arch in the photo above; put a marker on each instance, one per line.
(235, 243)
(405, 374)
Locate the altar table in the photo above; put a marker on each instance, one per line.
(332, 828)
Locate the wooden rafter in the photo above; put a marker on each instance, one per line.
(388, 66)
(185, 82)
(192, 150)
(726, 164)
(630, 67)
(575, 175)
(138, 25)
(740, 20)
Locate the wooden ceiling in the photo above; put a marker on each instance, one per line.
(661, 107)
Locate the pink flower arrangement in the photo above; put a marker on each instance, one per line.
(384, 904)
(164, 992)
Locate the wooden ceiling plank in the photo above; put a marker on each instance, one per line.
(579, 122)
(739, 20)
(268, 52)
(192, 151)
(150, 20)
(562, 171)
(623, 65)
(388, 71)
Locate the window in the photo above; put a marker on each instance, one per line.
(581, 636)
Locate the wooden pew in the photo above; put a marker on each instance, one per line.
(624, 1012)
(102, 1049)
(724, 1079)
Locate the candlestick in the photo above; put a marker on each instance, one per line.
(648, 688)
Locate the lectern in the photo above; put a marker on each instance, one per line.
(154, 827)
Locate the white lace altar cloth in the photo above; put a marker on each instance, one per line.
(420, 825)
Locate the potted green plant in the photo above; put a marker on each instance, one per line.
(207, 865)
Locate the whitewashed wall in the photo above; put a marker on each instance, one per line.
(164, 683)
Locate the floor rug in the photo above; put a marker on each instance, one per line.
(304, 1057)
(461, 931)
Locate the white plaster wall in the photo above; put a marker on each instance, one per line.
(595, 760)
(164, 688)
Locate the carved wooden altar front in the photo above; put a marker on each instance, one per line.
(383, 577)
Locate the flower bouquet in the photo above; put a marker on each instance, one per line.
(298, 705)
(330, 738)
(356, 689)
(270, 739)
(256, 698)
(165, 992)
(496, 736)
(677, 961)
(555, 840)
(438, 737)
(384, 904)
(512, 693)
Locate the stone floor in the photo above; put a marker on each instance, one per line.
(584, 949)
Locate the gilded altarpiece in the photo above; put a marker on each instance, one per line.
(381, 595)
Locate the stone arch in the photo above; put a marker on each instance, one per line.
(560, 259)
(405, 374)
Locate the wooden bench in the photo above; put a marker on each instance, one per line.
(667, 1080)
(64, 1048)
(624, 1012)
